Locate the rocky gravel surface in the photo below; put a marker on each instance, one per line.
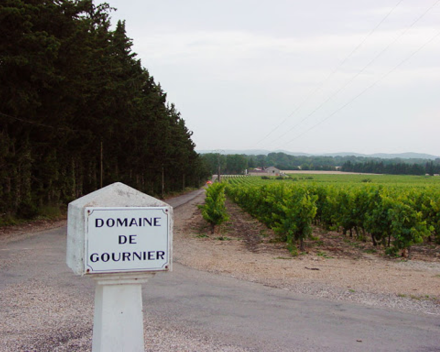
(37, 316)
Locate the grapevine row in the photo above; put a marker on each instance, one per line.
(393, 216)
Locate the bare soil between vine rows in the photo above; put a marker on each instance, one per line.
(334, 266)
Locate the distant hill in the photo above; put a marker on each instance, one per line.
(405, 156)
(377, 155)
(231, 151)
(250, 152)
(388, 156)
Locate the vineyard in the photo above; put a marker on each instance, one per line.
(395, 212)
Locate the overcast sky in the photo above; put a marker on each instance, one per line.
(313, 76)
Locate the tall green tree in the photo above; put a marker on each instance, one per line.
(79, 111)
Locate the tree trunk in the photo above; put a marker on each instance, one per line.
(163, 183)
(301, 245)
(374, 240)
(102, 164)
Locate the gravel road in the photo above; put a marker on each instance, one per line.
(44, 307)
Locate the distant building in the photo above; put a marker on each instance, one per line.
(269, 171)
(273, 171)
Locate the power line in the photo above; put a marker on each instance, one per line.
(362, 70)
(366, 89)
(312, 92)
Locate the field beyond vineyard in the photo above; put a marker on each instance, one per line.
(350, 177)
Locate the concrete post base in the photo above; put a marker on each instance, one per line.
(118, 319)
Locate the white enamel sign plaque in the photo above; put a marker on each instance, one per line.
(127, 239)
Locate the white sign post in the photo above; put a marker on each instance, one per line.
(119, 237)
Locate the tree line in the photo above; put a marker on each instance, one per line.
(78, 110)
(237, 164)
(400, 168)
